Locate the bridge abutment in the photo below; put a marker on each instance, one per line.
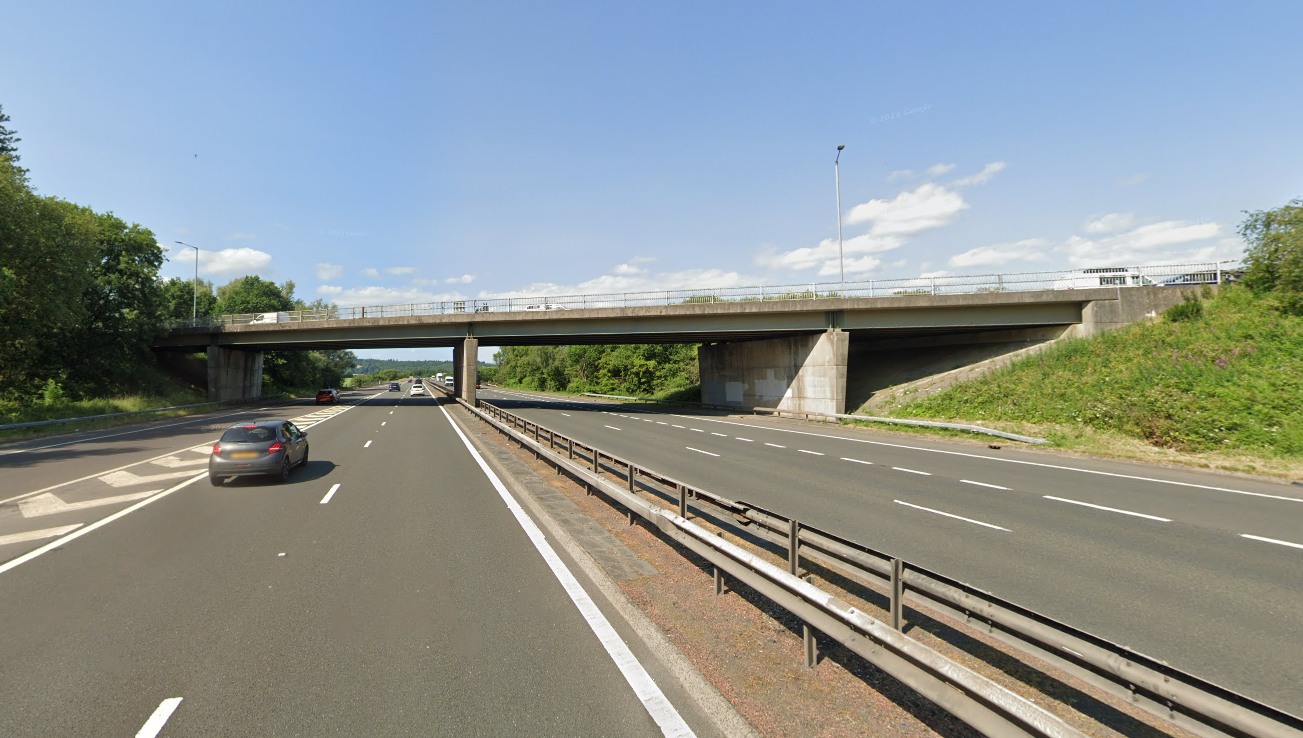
(233, 374)
(795, 373)
(465, 362)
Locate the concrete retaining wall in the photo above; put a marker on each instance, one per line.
(798, 373)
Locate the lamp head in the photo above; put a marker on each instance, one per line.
(839, 148)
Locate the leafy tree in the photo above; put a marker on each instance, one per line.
(1274, 257)
(252, 294)
(8, 139)
(178, 300)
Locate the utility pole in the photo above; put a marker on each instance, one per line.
(841, 257)
(194, 314)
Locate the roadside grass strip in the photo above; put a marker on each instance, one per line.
(951, 515)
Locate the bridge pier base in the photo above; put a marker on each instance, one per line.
(795, 373)
(233, 374)
(465, 365)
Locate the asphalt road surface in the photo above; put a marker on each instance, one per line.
(1201, 570)
(388, 589)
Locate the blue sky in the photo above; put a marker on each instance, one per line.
(420, 151)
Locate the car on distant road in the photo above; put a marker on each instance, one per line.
(1102, 277)
(418, 389)
(271, 447)
(449, 381)
(327, 395)
(395, 387)
(270, 318)
(544, 306)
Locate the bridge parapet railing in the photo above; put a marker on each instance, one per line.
(939, 284)
(1179, 697)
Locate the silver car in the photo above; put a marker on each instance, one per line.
(271, 447)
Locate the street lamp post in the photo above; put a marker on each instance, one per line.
(841, 257)
(194, 315)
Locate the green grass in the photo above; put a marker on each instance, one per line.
(1222, 378)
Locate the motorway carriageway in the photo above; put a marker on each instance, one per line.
(1204, 571)
(393, 586)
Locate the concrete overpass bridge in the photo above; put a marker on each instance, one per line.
(798, 349)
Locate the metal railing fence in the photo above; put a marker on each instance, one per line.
(1159, 275)
(1183, 699)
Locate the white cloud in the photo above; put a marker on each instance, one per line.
(930, 275)
(936, 170)
(826, 253)
(854, 267)
(400, 270)
(1110, 223)
(1030, 249)
(1133, 180)
(329, 289)
(1168, 242)
(901, 174)
(233, 261)
(642, 259)
(982, 177)
(628, 269)
(463, 279)
(237, 236)
(607, 283)
(371, 272)
(326, 270)
(927, 207)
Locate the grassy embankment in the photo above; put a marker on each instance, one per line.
(1216, 385)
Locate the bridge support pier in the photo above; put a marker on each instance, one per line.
(795, 373)
(233, 374)
(465, 365)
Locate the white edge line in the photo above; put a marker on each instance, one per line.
(1109, 509)
(1007, 461)
(912, 471)
(700, 451)
(97, 524)
(857, 461)
(657, 705)
(1272, 540)
(156, 721)
(984, 484)
(950, 515)
(329, 494)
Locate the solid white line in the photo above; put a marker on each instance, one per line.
(97, 524)
(948, 515)
(1271, 540)
(767, 443)
(912, 471)
(1004, 460)
(329, 494)
(36, 535)
(983, 484)
(657, 705)
(612, 427)
(1109, 509)
(700, 451)
(857, 461)
(813, 453)
(367, 445)
(156, 721)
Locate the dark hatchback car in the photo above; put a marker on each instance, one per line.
(394, 387)
(270, 447)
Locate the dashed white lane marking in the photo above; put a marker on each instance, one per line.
(612, 427)
(857, 461)
(97, 524)
(36, 535)
(767, 443)
(566, 414)
(661, 423)
(329, 494)
(912, 471)
(740, 438)
(156, 721)
(1109, 509)
(50, 504)
(391, 412)
(950, 515)
(676, 426)
(984, 484)
(655, 701)
(384, 423)
(366, 445)
(700, 451)
(725, 435)
(1244, 535)
(812, 453)
(696, 430)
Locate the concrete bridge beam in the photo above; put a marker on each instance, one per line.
(798, 373)
(233, 374)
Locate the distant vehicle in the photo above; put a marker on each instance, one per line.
(1102, 277)
(327, 395)
(439, 377)
(545, 306)
(395, 387)
(264, 447)
(418, 389)
(419, 381)
(449, 381)
(270, 318)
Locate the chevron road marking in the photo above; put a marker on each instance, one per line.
(50, 504)
(125, 478)
(36, 535)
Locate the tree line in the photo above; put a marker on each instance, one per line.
(663, 370)
(81, 301)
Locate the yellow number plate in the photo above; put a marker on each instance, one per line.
(244, 455)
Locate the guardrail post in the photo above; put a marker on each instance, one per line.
(570, 449)
(811, 647)
(719, 582)
(632, 483)
(551, 439)
(897, 593)
(597, 465)
(793, 547)
(683, 501)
